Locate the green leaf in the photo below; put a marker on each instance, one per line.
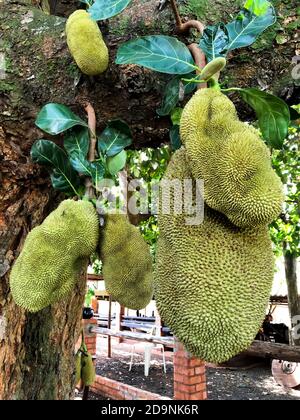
(258, 7)
(175, 137)
(63, 176)
(171, 96)
(245, 29)
(273, 115)
(77, 140)
(176, 116)
(114, 138)
(158, 52)
(105, 9)
(47, 153)
(214, 41)
(94, 170)
(56, 118)
(116, 163)
(65, 180)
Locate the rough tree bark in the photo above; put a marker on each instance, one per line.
(36, 351)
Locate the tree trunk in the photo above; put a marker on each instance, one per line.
(290, 262)
(36, 351)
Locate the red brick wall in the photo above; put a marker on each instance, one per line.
(189, 376)
(119, 391)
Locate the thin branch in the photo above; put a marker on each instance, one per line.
(184, 27)
(92, 126)
(176, 13)
(191, 24)
(89, 190)
(200, 61)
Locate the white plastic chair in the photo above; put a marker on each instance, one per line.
(148, 347)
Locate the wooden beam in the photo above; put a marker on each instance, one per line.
(274, 351)
(258, 348)
(167, 341)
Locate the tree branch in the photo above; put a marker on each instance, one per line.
(184, 27)
(89, 190)
(92, 127)
(200, 61)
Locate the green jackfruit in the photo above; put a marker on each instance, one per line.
(78, 367)
(213, 280)
(88, 373)
(212, 68)
(54, 254)
(127, 263)
(86, 43)
(232, 160)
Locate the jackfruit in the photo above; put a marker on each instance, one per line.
(212, 68)
(88, 373)
(127, 263)
(77, 367)
(86, 43)
(232, 160)
(212, 280)
(54, 255)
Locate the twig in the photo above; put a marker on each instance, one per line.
(200, 61)
(92, 126)
(89, 190)
(184, 27)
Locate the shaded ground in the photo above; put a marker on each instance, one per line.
(223, 384)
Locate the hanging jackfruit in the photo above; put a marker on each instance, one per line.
(232, 160)
(212, 280)
(127, 263)
(88, 372)
(86, 43)
(77, 367)
(54, 255)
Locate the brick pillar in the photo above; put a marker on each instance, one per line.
(90, 338)
(189, 375)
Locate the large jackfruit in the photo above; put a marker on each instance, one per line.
(232, 160)
(86, 43)
(54, 254)
(213, 280)
(127, 263)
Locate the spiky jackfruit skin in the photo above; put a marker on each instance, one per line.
(232, 160)
(213, 280)
(54, 254)
(88, 372)
(127, 263)
(86, 43)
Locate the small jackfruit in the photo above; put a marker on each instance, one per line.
(86, 43)
(78, 367)
(54, 254)
(212, 68)
(88, 372)
(232, 159)
(127, 263)
(213, 280)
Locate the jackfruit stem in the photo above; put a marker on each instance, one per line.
(184, 27)
(200, 61)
